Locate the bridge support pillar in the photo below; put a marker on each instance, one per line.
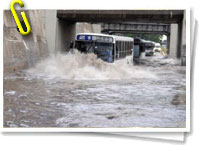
(178, 41)
(183, 42)
(173, 46)
(65, 33)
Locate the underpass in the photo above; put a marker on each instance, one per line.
(46, 88)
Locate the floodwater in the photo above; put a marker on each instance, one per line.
(78, 90)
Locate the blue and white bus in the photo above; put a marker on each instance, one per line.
(106, 47)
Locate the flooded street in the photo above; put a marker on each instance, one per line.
(81, 91)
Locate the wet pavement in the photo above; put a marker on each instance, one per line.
(151, 95)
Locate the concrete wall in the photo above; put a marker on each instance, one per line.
(48, 36)
(65, 33)
(88, 28)
(50, 20)
(20, 52)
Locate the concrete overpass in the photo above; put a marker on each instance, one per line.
(150, 28)
(153, 16)
(170, 22)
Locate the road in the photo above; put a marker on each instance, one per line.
(80, 91)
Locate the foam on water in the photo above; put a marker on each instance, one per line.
(139, 101)
(79, 66)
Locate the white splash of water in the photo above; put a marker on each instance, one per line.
(79, 66)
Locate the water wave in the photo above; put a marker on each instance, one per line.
(79, 66)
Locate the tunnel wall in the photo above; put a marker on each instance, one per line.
(21, 52)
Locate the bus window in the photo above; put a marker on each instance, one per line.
(84, 46)
(104, 51)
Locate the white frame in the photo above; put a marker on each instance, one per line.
(128, 129)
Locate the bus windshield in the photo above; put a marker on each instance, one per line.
(85, 46)
(101, 49)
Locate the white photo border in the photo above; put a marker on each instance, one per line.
(128, 129)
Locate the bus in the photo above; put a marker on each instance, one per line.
(107, 47)
(141, 45)
(149, 46)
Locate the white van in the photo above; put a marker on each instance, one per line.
(157, 47)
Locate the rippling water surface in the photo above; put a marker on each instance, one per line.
(78, 90)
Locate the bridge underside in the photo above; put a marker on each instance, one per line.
(153, 16)
(148, 28)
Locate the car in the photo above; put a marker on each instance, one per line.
(157, 47)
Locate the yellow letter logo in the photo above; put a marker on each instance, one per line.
(23, 16)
